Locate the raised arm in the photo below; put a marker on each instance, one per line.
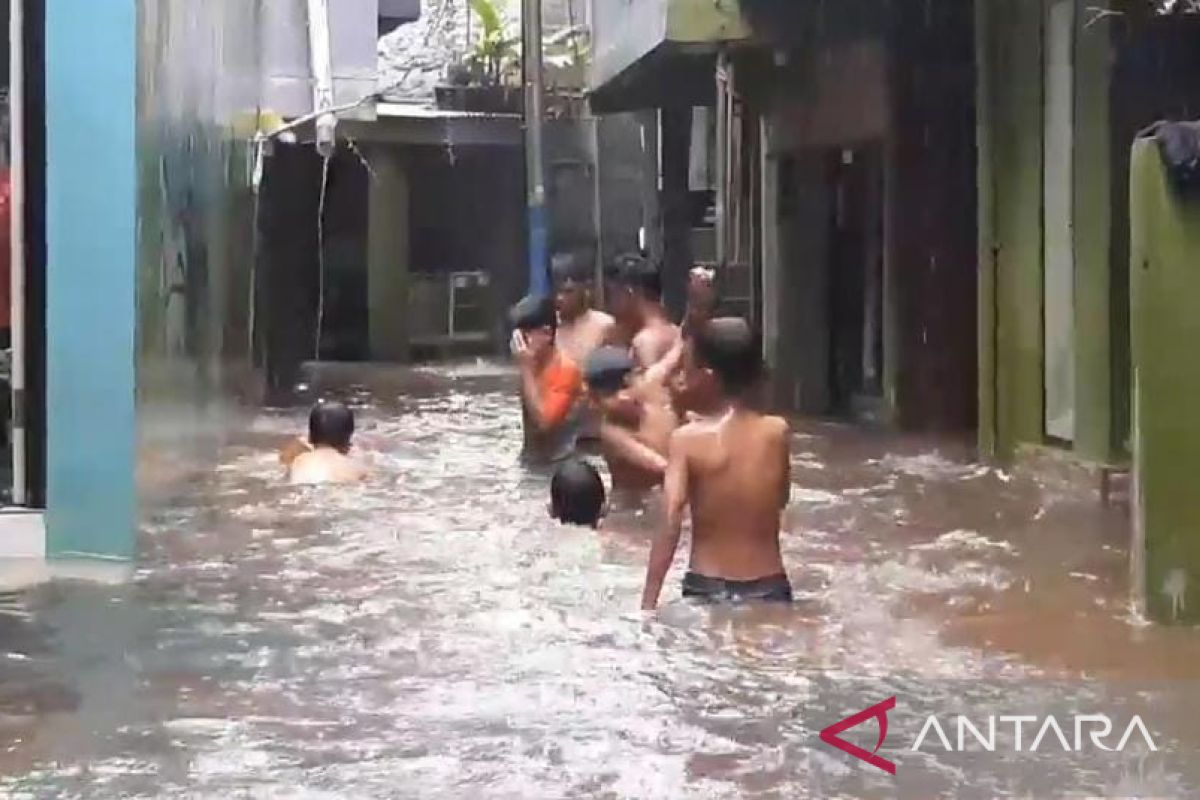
(662, 553)
(667, 366)
(626, 445)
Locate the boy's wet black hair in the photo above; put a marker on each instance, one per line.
(576, 266)
(533, 312)
(732, 350)
(330, 424)
(637, 272)
(577, 494)
(607, 368)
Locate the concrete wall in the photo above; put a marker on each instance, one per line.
(1126, 76)
(199, 72)
(354, 33)
(907, 91)
(839, 97)
(931, 258)
(1010, 185)
(1165, 248)
(622, 33)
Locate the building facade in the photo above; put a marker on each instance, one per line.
(843, 182)
(140, 246)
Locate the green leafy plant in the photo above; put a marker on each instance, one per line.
(495, 51)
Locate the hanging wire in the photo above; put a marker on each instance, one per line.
(321, 255)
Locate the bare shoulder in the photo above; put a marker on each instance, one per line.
(776, 427)
(603, 319)
(684, 437)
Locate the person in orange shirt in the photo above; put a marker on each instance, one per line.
(551, 383)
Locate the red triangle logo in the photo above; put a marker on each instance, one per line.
(878, 712)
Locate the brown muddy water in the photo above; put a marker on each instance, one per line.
(432, 635)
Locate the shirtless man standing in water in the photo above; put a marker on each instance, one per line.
(635, 299)
(730, 466)
(581, 328)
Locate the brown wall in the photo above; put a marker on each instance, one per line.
(932, 217)
(841, 98)
(911, 88)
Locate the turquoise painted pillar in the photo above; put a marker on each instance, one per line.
(91, 99)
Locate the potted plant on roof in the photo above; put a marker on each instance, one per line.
(481, 82)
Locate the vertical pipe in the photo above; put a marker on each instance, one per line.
(535, 164)
(988, 435)
(772, 289)
(720, 155)
(16, 96)
(320, 52)
(597, 213)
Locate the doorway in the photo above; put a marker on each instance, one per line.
(856, 283)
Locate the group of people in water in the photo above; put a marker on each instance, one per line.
(664, 405)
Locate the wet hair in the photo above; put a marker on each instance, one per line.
(732, 350)
(532, 313)
(607, 368)
(330, 424)
(577, 494)
(637, 272)
(571, 266)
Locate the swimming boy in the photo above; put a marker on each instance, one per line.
(326, 459)
(635, 299)
(730, 467)
(577, 494)
(637, 420)
(551, 383)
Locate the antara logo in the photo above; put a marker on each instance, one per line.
(879, 713)
(1089, 731)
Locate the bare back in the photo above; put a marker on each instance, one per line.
(324, 465)
(738, 481)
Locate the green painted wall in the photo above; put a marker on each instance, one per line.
(1165, 288)
(388, 256)
(1093, 240)
(705, 21)
(1011, 366)
(1010, 134)
(985, 144)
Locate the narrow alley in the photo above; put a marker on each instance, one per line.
(433, 634)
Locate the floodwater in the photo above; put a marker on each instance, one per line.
(432, 635)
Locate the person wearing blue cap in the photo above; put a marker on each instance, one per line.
(636, 424)
(551, 383)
